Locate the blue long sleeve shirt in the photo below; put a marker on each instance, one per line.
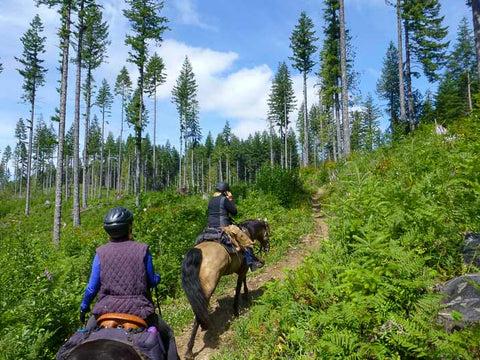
(94, 283)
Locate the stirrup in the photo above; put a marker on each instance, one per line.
(120, 320)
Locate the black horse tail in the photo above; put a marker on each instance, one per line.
(191, 286)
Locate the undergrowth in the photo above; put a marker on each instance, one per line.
(397, 221)
(41, 285)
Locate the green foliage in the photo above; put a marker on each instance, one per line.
(41, 285)
(396, 222)
(285, 185)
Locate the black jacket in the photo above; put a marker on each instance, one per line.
(219, 211)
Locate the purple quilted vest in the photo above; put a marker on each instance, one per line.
(123, 280)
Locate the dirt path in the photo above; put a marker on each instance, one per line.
(207, 342)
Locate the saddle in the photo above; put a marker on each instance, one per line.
(219, 236)
(120, 320)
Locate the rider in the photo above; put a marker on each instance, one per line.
(220, 207)
(122, 275)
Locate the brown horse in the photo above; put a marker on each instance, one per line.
(205, 264)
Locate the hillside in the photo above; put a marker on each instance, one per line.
(397, 219)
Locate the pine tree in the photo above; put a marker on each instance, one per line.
(104, 102)
(302, 42)
(462, 63)
(424, 43)
(475, 4)
(123, 87)
(154, 77)
(281, 103)
(388, 89)
(94, 49)
(78, 43)
(66, 8)
(370, 124)
(147, 24)
(184, 95)
(33, 73)
(20, 152)
(400, 72)
(343, 67)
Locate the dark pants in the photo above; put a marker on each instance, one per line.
(249, 256)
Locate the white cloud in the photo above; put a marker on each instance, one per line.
(189, 14)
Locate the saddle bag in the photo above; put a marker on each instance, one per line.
(217, 235)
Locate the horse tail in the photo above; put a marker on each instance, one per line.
(191, 286)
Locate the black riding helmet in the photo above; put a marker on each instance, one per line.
(222, 186)
(117, 222)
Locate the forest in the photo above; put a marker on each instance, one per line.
(400, 197)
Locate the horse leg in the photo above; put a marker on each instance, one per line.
(189, 353)
(237, 295)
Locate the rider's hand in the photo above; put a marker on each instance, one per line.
(82, 316)
(229, 196)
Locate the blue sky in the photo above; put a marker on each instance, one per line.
(234, 47)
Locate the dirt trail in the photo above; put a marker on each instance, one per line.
(221, 313)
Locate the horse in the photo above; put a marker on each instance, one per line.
(206, 263)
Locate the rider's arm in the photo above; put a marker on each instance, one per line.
(152, 277)
(230, 207)
(93, 285)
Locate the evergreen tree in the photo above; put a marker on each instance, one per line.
(6, 157)
(104, 102)
(184, 96)
(370, 126)
(388, 89)
(65, 11)
(123, 87)
(33, 73)
(475, 4)
(78, 43)
(424, 43)
(343, 67)
(428, 113)
(94, 49)
(330, 74)
(400, 71)
(462, 64)
(281, 103)
(154, 77)
(302, 42)
(20, 153)
(147, 24)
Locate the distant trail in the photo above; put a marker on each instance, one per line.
(221, 313)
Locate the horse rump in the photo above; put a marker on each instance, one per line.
(114, 344)
(192, 287)
(103, 349)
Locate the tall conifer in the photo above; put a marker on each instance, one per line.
(154, 77)
(33, 73)
(123, 87)
(184, 96)
(146, 24)
(65, 11)
(94, 49)
(281, 103)
(302, 43)
(104, 102)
